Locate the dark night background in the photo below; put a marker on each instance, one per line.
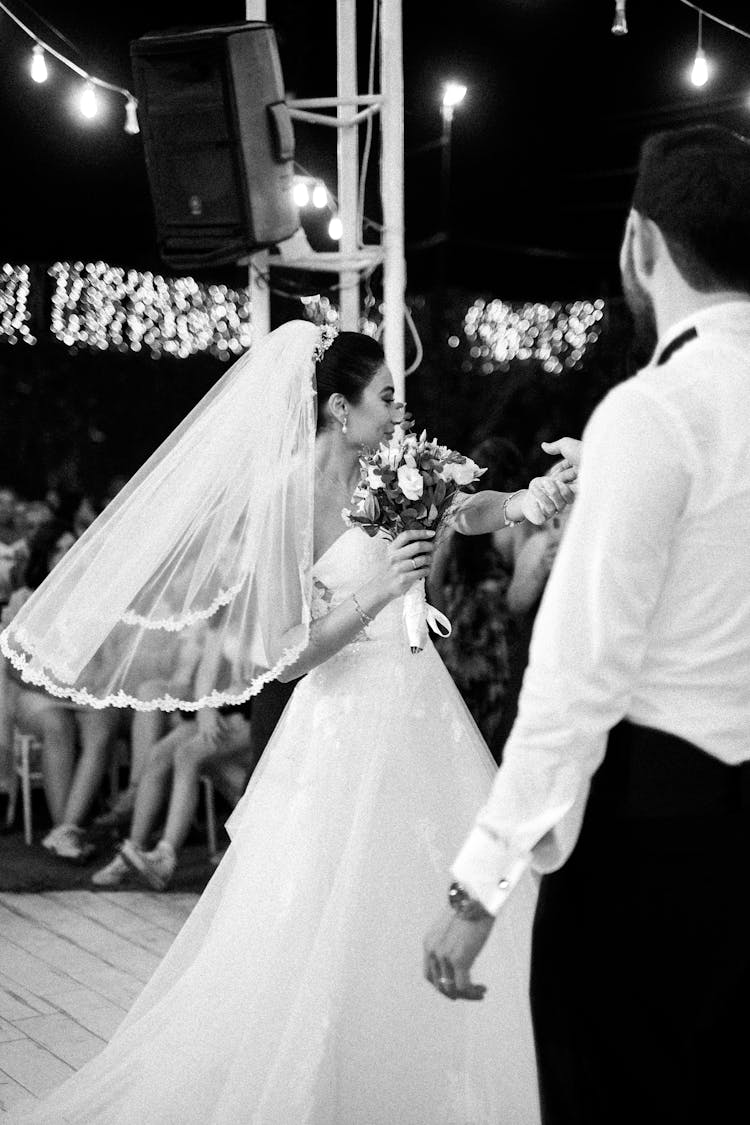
(544, 152)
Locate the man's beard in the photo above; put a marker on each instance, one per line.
(645, 335)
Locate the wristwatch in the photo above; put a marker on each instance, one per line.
(468, 908)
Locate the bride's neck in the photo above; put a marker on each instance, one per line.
(335, 460)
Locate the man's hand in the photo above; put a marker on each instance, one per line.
(450, 949)
(567, 447)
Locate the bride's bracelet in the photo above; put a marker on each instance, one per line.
(364, 617)
(508, 521)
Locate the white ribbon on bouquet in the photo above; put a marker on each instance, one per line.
(419, 615)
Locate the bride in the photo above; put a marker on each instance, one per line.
(285, 999)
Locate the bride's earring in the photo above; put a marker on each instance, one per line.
(343, 425)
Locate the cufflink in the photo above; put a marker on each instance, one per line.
(503, 883)
(464, 905)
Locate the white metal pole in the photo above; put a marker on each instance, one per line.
(347, 159)
(392, 188)
(258, 271)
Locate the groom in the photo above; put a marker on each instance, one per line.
(625, 782)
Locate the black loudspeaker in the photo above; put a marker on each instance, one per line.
(218, 139)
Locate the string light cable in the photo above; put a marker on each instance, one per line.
(716, 19)
(91, 81)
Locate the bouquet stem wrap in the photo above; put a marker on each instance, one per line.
(418, 615)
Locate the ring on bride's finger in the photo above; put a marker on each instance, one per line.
(415, 564)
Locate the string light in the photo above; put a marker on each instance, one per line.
(699, 73)
(620, 23)
(300, 193)
(335, 228)
(14, 305)
(104, 307)
(38, 64)
(88, 99)
(558, 334)
(320, 196)
(88, 103)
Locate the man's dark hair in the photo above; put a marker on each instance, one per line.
(694, 183)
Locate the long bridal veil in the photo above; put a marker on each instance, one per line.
(214, 531)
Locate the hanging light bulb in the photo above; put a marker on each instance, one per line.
(335, 228)
(88, 104)
(699, 73)
(620, 23)
(38, 64)
(131, 117)
(300, 193)
(319, 196)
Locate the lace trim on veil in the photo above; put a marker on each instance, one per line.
(175, 624)
(165, 703)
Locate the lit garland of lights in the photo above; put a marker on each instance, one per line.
(103, 307)
(556, 335)
(14, 305)
(87, 101)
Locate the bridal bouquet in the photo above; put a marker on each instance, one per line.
(410, 483)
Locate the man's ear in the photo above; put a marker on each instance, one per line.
(647, 243)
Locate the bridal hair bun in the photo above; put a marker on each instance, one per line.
(327, 335)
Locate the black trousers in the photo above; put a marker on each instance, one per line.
(640, 983)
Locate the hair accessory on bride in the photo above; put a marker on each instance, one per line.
(207, 549)
(327, 335)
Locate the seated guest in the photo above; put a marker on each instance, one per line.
(175, 660)
(212, 741)
(70, 785)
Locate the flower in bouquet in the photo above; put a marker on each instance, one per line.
(411, 483)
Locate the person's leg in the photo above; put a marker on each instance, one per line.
(96, 731)
(153, 786)
(147, 728)
(41, 716)
(191, 760)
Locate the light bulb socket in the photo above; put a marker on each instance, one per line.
(131, 117)
(620, 23)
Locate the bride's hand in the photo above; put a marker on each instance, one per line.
(408, 561)
(547, 495)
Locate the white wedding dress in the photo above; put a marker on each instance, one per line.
(294, 993)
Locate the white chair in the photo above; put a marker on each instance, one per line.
(27, 766)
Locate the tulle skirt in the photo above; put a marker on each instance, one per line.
(294, 993)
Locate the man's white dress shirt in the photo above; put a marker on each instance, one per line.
(646, 614)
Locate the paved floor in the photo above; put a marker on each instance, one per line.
(71, 964)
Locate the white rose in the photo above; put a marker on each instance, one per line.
(410, 482)
(461, 472)
(374, 479)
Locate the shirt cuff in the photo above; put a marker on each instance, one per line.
(483, 868)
